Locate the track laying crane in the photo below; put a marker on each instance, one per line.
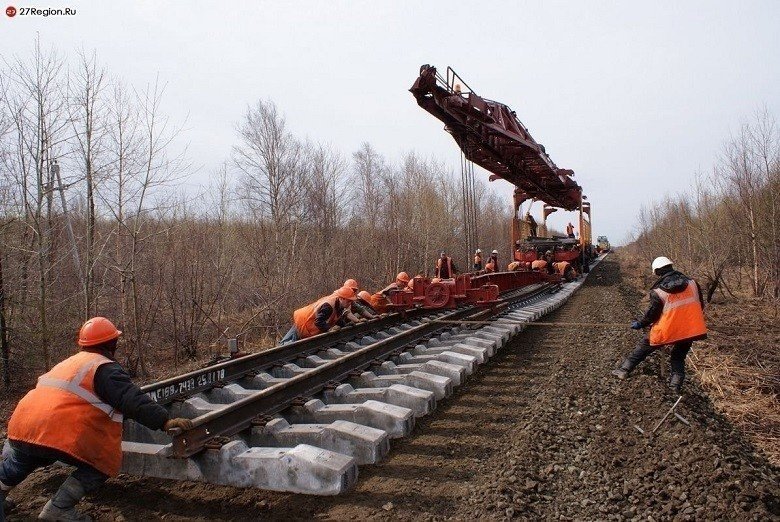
(490, 135)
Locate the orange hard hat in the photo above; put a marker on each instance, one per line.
(402, 276)
(364, 295)
(97, 330)
(346, 293)
(351, 283)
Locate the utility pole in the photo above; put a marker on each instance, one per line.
(4, 349)
(55, 170)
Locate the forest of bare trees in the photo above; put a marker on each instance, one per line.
(725, 230)
(94, 219)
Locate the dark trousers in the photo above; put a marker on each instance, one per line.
(21, 459)
(643, 349)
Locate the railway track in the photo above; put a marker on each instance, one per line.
(302, 417)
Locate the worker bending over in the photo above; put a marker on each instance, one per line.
(445, 268)
(401, 283)
(675, 316)
(74, 415)
(320, 316)
(565, 269)
(363, 305)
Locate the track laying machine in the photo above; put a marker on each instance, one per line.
(490, 135)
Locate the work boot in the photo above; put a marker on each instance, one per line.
(676, 382)
(61, 507)
(620, 373)
(5, 504)
(623, 371)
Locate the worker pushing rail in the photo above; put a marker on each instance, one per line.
(74, 415)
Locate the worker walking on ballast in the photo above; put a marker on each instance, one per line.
(74, 415)
(675, 316)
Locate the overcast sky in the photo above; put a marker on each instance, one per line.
(635, 97)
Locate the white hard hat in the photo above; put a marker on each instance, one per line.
(479, 251)
(495, 251)
(660, 262)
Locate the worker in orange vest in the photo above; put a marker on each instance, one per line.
(445, 268)
(320, 316)
(493, 260)
(478, 260)
(351, 283)
(349, 316)
(364, 304)
(570, 230)
(401, 282)
(565, 269)
(675, 316)
(74, 415)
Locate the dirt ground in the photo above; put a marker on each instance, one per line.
(541, 432)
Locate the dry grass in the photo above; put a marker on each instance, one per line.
(739, 364)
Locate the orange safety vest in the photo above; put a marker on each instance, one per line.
(303, 318)
(682, 317)
(561, 267)
(64, 413)
(378, 302)
(514, 265)
(539, 264)
(449, 267)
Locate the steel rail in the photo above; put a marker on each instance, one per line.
(179, 386)
(241, 414)
(202, 379)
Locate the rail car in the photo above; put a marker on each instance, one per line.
(481, 289)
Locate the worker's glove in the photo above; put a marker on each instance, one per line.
(181, 423)
(335, 328)
(635, 325)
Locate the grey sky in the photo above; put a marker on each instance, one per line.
(634, 96)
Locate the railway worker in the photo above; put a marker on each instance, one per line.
(349, 316)
(402, 282)
(565, 269)
(74, 415)
(514, 265)
(351, 283)
(320, 316)
(539, 265)
(675, 317)
(570, 230)
(445, 268)
(494, 259)
(363, 305)
(478, 260)
(531, 223)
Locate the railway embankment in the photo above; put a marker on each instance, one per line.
(541, 431)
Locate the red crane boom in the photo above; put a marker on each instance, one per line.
(490, 135)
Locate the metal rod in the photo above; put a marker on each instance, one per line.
(667, 414)
(611, 325)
